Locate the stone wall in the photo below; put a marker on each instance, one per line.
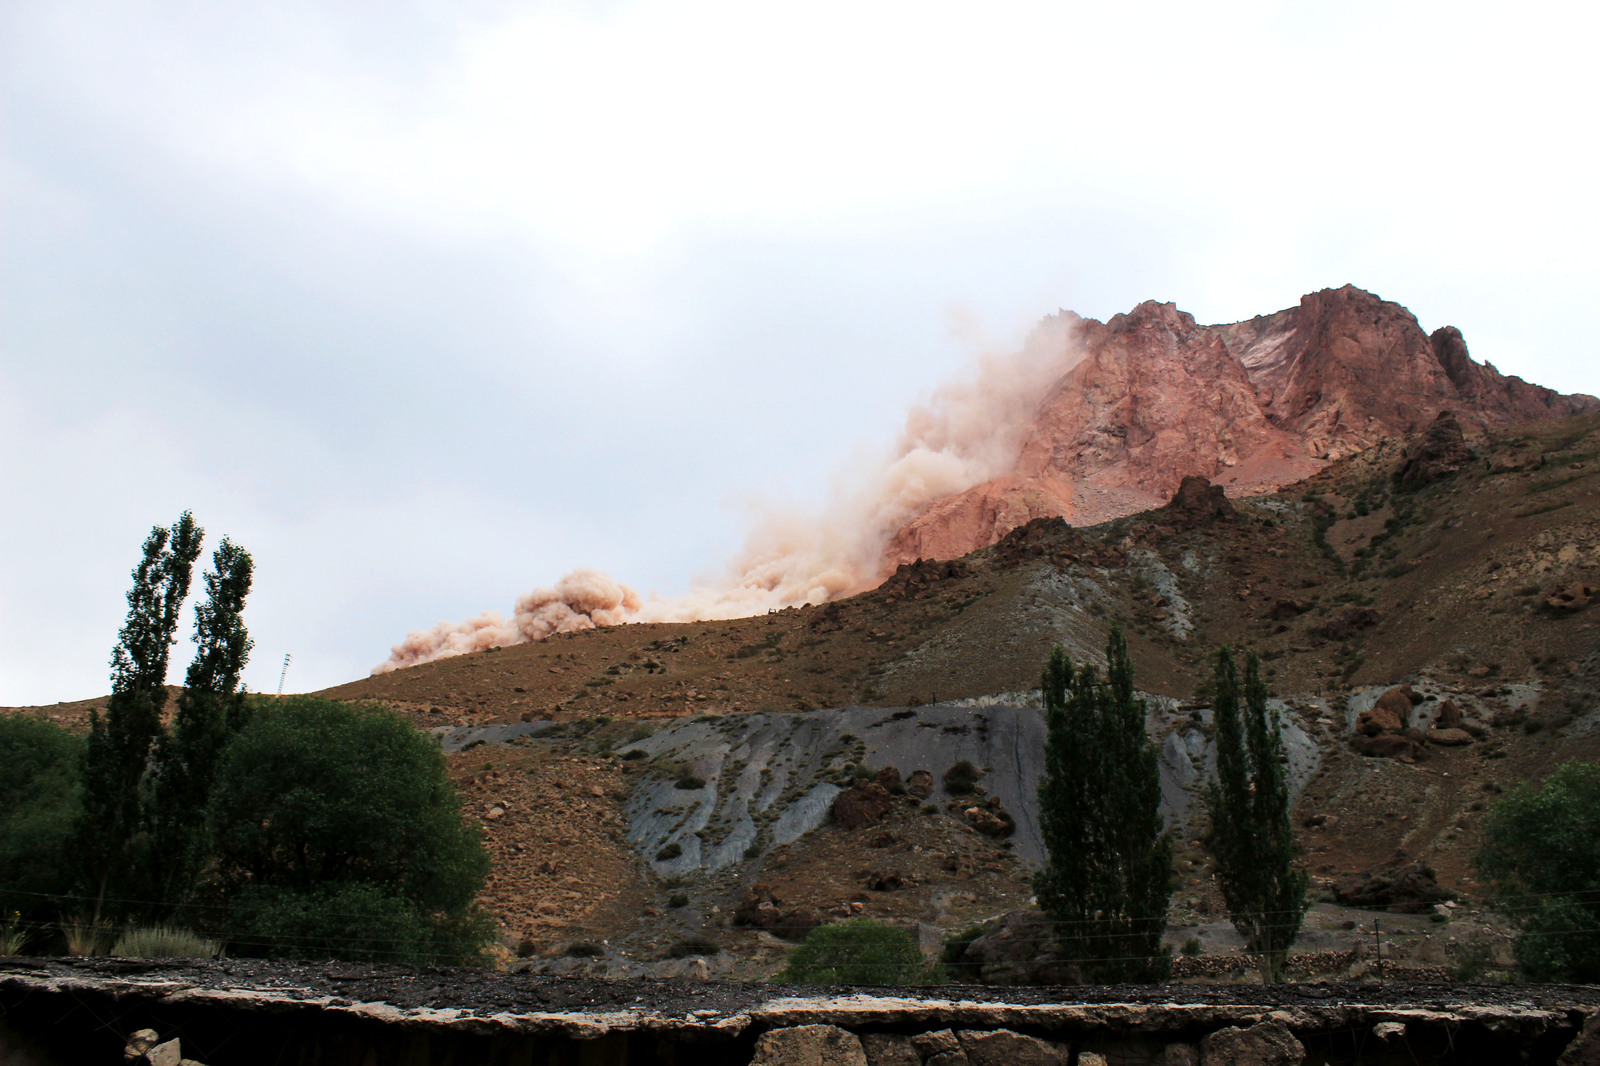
(86, 1011)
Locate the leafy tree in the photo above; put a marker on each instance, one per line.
(1541, 854)
(1108, 876)
(356, 922)
(120, 744)
(211, 708)
(314, 798)
(857, 951)
(40, 765)
(1250, 837)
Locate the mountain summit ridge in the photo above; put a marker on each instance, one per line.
(1251, 405)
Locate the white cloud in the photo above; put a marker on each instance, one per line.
(564, 272)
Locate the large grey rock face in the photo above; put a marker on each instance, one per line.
(809, 1045)
(769, 778)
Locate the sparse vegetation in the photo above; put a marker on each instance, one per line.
(962, 778)
(160, 942)
(694, 945)
(858, 951)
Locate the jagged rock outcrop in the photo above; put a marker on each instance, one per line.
(1441, 452)
(1250, 406)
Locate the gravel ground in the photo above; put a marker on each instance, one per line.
(489, 992)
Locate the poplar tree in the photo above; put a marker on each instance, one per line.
(1107, 879)
(120, 744)
(211, 709)
(1250, 836)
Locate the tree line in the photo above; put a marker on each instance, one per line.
(299, 827)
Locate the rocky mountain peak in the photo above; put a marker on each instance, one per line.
(1251, 406)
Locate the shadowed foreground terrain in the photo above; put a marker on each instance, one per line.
(247, 1012)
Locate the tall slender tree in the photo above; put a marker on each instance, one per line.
(119, 748)
(211, 708)
(1250, 836)
(1108, 876)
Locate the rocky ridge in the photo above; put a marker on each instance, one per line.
(1251, 406)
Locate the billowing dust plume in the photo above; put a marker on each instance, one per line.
(970, 430)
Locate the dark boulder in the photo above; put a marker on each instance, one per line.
(861, 805)
(1405, 889)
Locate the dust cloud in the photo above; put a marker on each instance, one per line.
(970, 430)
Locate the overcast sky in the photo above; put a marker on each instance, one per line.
(427, 303)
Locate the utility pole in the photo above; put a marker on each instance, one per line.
(283, 673)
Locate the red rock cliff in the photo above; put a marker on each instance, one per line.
(1249, 405)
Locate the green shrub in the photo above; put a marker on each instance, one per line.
(353, 922)
(858, 951)
(688, 781)
(678, 899)
(1473, 959)
(1541, 854)
(955, 947)
(584, 949)
(694, 945)
(670, 851)
(1192, 946)
(160, 942)
(338, 834)
(961, 779)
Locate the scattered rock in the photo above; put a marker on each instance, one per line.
(1007, 952)
(1449, 716)
(1570, 597)
(809, 1045)
(1348, 622)
(1284, 610)
(1380, 719)
(920, 784)
(1263, 1044)
(139, 1044)
(1449, 737)
(166, 1054)
(760, 909)
(861, 805)
(1390, 746)
(1386, 1031)
(1002, 1047)
(1441, 452)
(991, 819)
(888, 777)
(1405, 889)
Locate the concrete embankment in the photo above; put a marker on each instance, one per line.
(246, 1012)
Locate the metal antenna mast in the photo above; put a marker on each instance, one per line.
(284, 673)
